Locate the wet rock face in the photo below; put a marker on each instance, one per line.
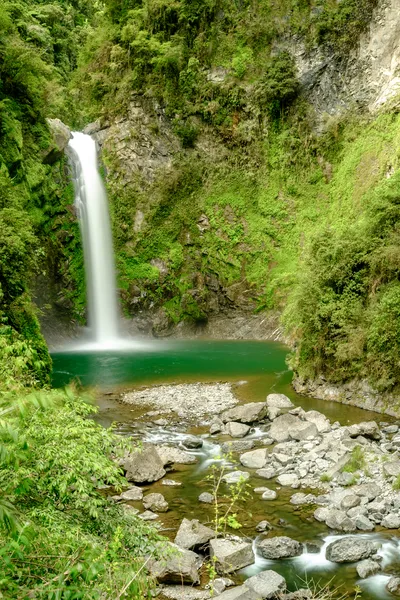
(192, 534)
(231, 555)
(279, 547)
(176, 566)
(61, 134)
(144, 466)
(350, 549)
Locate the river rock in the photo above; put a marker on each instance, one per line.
(206, 498)
(171, 455)
(148, 515)
(320, 421)
(391, 521)
(263, 526)
(350, 501)
(288, 480)
(302, 594)
(155, 502)
(266, 473)
(393, 586)
(237, 430)
(392, 469)
(267, 584)
(269, 495)
(171, 483)
(303, 431)
(231, 555)
(279, 547)
(192, 534)
(281, 426)
(240, 592)
(337, 519)
(300, 499)
(216, 426)
(368, 567)
(184, 592)
(133, 494)
(144, 465)
(246, 413)
(275, 404)
(363, 523)
(237, 446)
(235, 476)
(192, 442)
(220, 584)
(367, 490)
(350, 549)
(255, 459)
(321, 514)
(176, 566)
(369, 429)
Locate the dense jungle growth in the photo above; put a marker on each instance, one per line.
(258, 207)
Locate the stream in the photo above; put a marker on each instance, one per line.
(255, 369)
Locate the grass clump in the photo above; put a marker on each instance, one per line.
(356, 462)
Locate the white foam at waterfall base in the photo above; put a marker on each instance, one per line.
(92, 206)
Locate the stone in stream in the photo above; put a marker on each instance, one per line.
(171, 455)
(216, 426)
(350, 501)
(192, 534)
(393, 586)
(367, 567)
(171, 483)
(303, 431)
(392, 469)
(368, 429)
(279, 547)
(350, 549)
(183, 592)
(147, 515)
(231, 555)
(237, 430)
(240, 592)
(363, 523)
(246, 413)
(321, 514)
(338, 519)
(263, 526)
(206, 498)
(300, 499)
(235, 477)
(143, 465)
(281, 426)
(266, 473)
(288, 480)
(175, 565)
(155, 502)
(269, 495)
(237, 446)
(192, 442)
(391, 521)
(255, 459)
(320, 421)
(277, 402)
(267, 584)
(133, 494)
(220, 584)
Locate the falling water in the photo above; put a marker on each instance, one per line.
(92, 206)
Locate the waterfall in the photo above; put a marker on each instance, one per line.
(92, 206)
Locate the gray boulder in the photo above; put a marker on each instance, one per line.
(171, 455)
(192, 442)
(368, 567)
(192, 534)
(279, 547)
(350, 501)
(363, 523)
(206, 498)
(392, 469)
(338, 520)
(175, 566)
(367, 490)
(237, 430)
(143, 465)
(288, 480)
(267, 584)
(231, 555)
(255, 459)
(393, 586)
(133, 494)
(320, 421)
(303, 431)
(276, 403)
(391, 521)
(263, 526)
(269, 495)
(237, 446)
(350, 549)
(155, 503)
(184, 592)
(280, 428)
(369, 429)
(235, 476)
(240, 592)
(246, 413)
(266, 473)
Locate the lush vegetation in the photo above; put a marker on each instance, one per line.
(60, 536)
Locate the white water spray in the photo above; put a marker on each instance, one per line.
(91, 202)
